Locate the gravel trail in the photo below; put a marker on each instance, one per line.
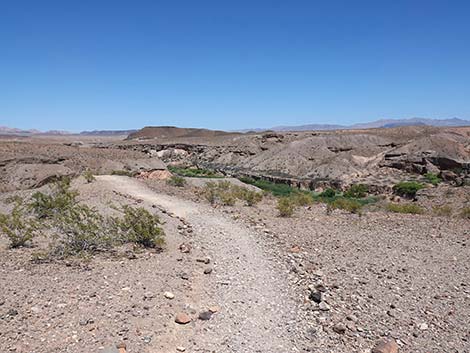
(257, 309)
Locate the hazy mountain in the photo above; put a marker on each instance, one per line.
(382, 123)
(107, 132)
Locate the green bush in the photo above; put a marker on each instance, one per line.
(285, 206)
(19, 228)
(407, 188)
(141, 227)
(346, 204)
(88, 175)
(277, 189)
(356, 191)
(176, 180)
(328, 193)
(432, 178)
(59, 200)
(405, 208)
(80, 230)
(194, 172)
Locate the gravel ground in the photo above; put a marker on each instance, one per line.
(311, 283)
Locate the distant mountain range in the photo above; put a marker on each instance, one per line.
(4, 130)
(382, 123)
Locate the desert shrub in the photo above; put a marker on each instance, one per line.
(302, 198)
(356, 191)
(251, 197)
(226, 193)
(442, 211)
(432, 178)
(88, 175)
(176, 180)
(18, 226)
(285, 206)
(194, 172)
(141, 227)
(122, 173)
(465, 212)
(227, 198)
(407, 188)
(59, 200)
(346, 204)
(79, 230)
(405, 208)
(328, 193)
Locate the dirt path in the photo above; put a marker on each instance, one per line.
(257, 310)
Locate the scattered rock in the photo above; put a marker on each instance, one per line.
(182, 318)
(180, 349)
(339, 328)
(383, 346)
(315, 296)
(169, 295)
(205, 260)
(185, 248)
(324, 306)
(205, 315)
(208, 271)
(214, 309)
(423, 326)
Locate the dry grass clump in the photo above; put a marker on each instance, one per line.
(227, 194)
(285, 206)
(405, 208)
(88, 175)
(465, 212)
(346, 204)
(442, 211)
(176, 180)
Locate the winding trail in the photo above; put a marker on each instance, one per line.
(258, 313)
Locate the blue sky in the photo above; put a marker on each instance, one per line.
(98, 64)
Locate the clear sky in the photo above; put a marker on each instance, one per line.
(99, 64)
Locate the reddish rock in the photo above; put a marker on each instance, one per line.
(182, 319)
(383, 346)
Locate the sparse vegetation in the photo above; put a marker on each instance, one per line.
(465, 213)
(328, 193)
(276, 189)
(442, 211)
(176, 180)
(80, 230)
(407, 188)
(141, 227)
(404, 208)
(227, 194)
(59, 200)
(88, 175)
(285, 206)
(432, 178)
(346, 204)
(18, 227)
(194, 172)
(356, 191)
